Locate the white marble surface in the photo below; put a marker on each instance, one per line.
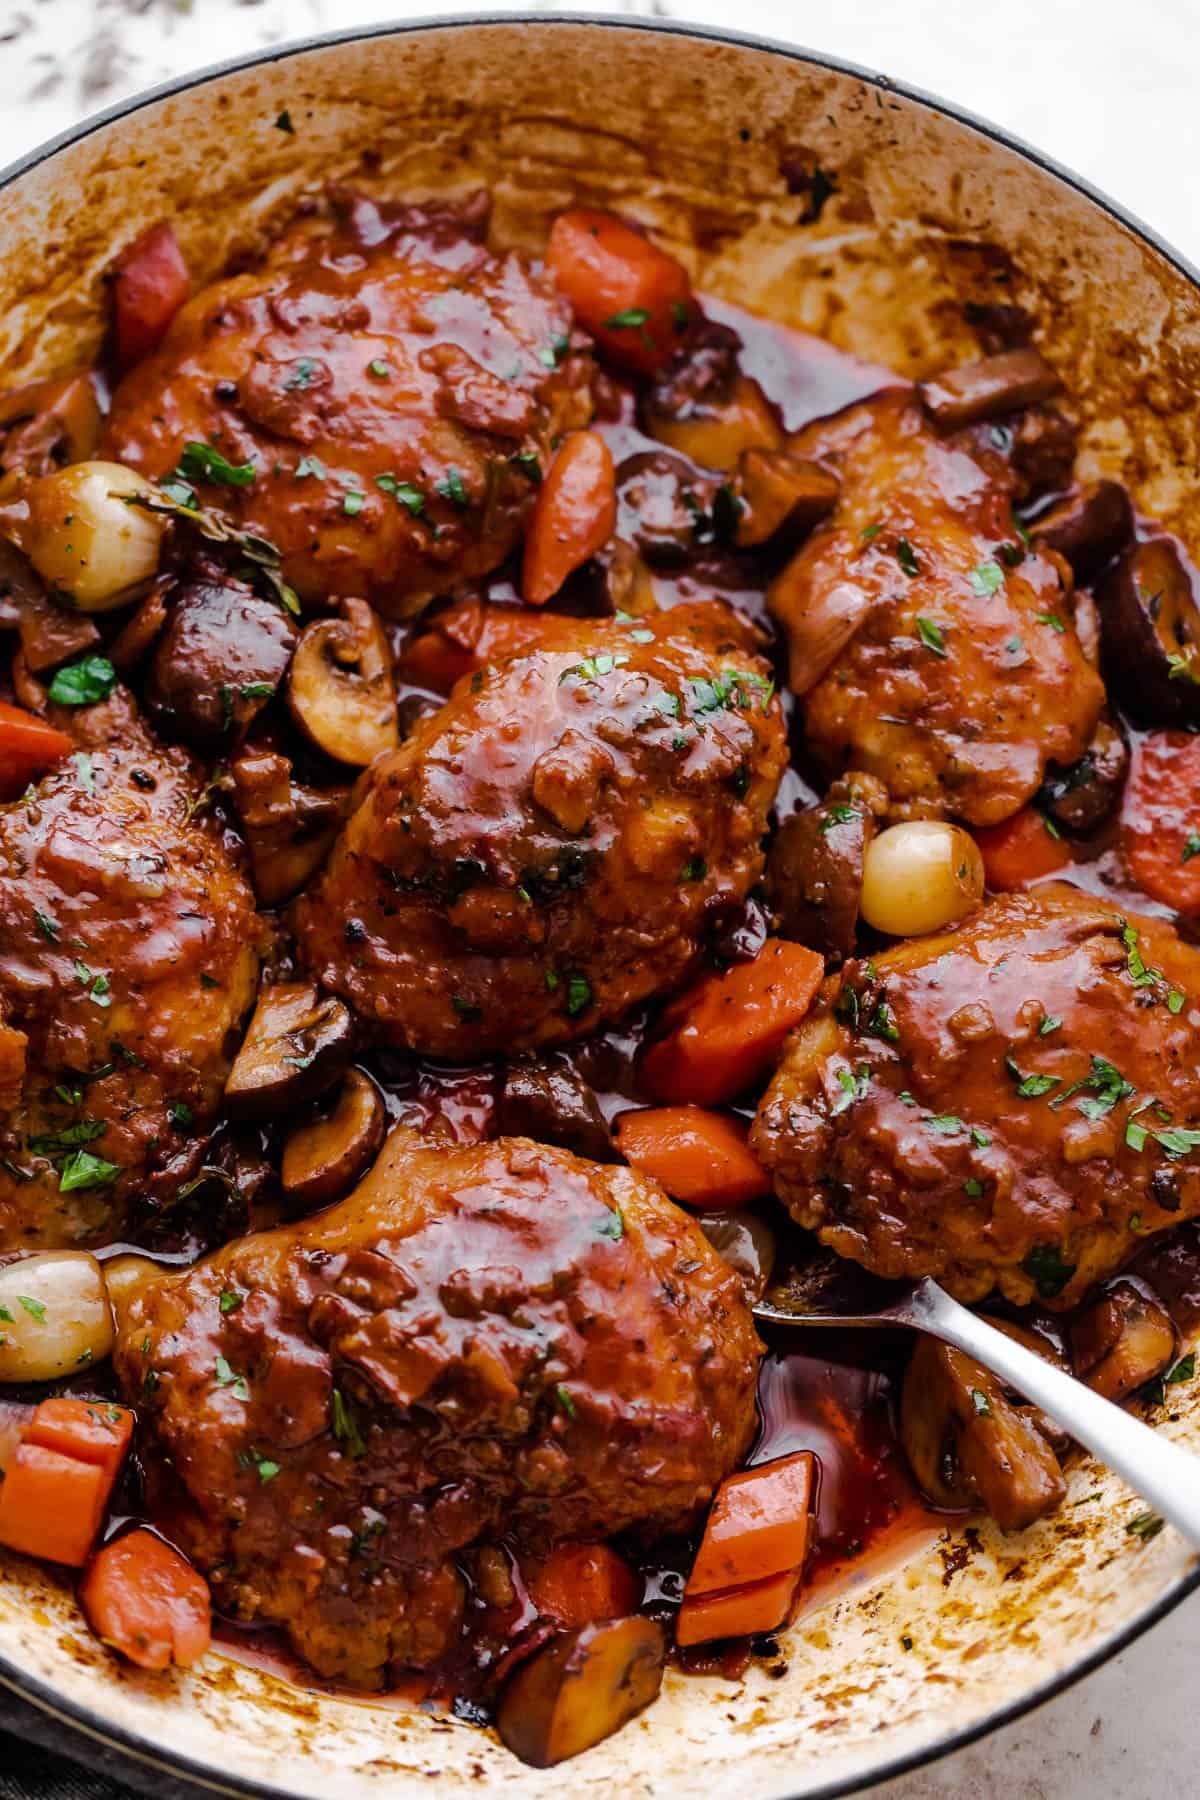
(1108, 90)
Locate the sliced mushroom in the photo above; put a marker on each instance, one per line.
(136, 637)
(297, 1046)
(288, 827)
(815, 865)
(323, 1160)
(46, 424)
(747, 1244)
(712, 425)
(1122, 1341)
(988, 389)
(783, 496)
(581, 1688)
(967, 1442)
(1087, 793)
(340, 691)
(50, 634)
(664, 506)
(1150, 626)
(1089, 528)
(549, 1100)
(219, 660)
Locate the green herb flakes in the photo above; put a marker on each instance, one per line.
(906, 556)
(201, 462)
(579, 995)
(83, 683)
(1144, 1525)
(343, 1422)
(1047, 1270)
(987, 579)
(980, 1402)
(34, 1308)
(931, 636)
(83, 1170)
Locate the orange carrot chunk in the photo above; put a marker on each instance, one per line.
(1160, 819)
(95, 1431)
(758, 1526)
(144, 1599)
(28, 747)
(701, 1158)
(723, 1035)
(574, 515)
(1022, 850)
(149, 284)
(580, 1584)
(739, 1612)
(634, 299)
(52, 1505)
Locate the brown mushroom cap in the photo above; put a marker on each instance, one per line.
(297, 1046)
(340, 688)
(581, 1688)
(324, 1159)
(1123, 1340)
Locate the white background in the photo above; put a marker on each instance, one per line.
(1110, 90)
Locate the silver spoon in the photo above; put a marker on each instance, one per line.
(1164, 1473)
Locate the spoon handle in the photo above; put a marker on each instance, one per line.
(1164, 1473)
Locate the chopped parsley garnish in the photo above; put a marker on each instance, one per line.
(931, 636)
(284, 123)
(883, 1023)
(973, 1187)
(1176, 1141)
(83, 683)
(565, 1401)
(1145, 1525)
(34, 1308)
(83, 768)
(257, 690)
(403, 492)
(945, 1124)
(837, 815)
(352, 504)
(728, 691)
(382, 371)
(630, 318)
(979, 1401)
(452, 488)
(225, 1376)
(1052, 620)
(592, 667)
(553, 353)
(83, 1170)
(1049, 1023)
(466, 1009)
(1179, 668)
(301, 377)
(529, 463)
(1047, 1270)
(267, 1470)
(1030, 1087)
(579, 995)
(1106, 1084)
(987, 579)
(906, 556)
(695, 869)
(869, 533)
(58, 1143)
(343, 1422)
(1142, 976)
(180, 1115)
(612, 1225)
(229, 1300)
(1192, 847)
(854, 1087)
(311, 465)
(200, 462)
(46, 925)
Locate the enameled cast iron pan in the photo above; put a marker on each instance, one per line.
(687, 130)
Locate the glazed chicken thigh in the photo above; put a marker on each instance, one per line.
(1003, 1105)
(931, 646)
(380, 395)
(494, 1341)
(547, 850)
(128, 957)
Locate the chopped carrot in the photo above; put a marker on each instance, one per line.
(1023, 849)
(573, 517)
(28, 746)
(95, 1431)
(579, 1584)
(470, 634)
(702, 1158)
(738, 1612)
(52, 1505)
(723, 1035)
(634, 299)
(144, 1599)
(1160, 819)
(150, 284)
(758, 1525)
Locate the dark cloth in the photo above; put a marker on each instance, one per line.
(28, 1772)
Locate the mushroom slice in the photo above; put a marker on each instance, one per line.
(1082, 796)
(783, 496)
(340, 688)
(298, 1045)
(49, 633)
(747, 1243)
(1089, 527)
(324, 1159)
(549, 1100)
(1150, 630)
(288, 827)
(1122, 1341)
(967, 1443)
(815, 865)
(581, 1688)
(987, 389)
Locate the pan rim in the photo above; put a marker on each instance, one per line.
(133, 1745)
